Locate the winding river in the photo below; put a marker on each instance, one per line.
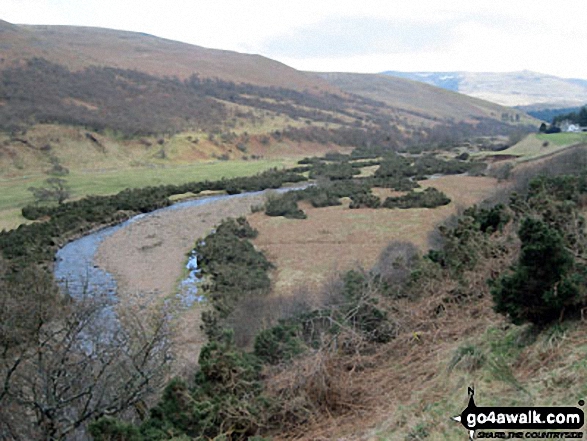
(76, 269)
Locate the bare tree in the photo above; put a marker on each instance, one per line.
(56, 189)
(395, 264)
(73, 365)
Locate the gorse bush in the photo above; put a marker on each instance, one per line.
(279, 343)
(338, 181)
(398, 166)
(468, 241)
(232, 267)
(489, 220)
(544, 283)
(286, 206)
(226, 400)
(337, 171)
(364, 200)
(429, 198)
(38, 242)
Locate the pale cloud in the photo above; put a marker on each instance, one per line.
(352, 36)
(339, 35)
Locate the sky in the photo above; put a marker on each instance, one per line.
(350, 36)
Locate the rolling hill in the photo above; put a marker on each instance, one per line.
(80, 47)
(84, 49)
(419, 99)
(522, 88)
(135, 100)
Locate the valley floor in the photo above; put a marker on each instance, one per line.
(148, 257)
(336, 239)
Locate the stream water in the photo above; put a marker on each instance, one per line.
(77, 274)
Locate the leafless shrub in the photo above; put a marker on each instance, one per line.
(501, 172)
(71, 364)
(332, 291)
(396, 263)
(261, 312)
(320, 383)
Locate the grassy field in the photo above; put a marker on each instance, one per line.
(335, 239)
(536, 145)
(14, 194)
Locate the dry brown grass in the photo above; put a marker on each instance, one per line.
(78, 47)
(409, 388)
(391, 388)
(338, 238)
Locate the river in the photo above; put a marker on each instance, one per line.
(77, 272)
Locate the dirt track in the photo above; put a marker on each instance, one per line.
(148, 257)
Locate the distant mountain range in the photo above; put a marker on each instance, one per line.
(524, 88)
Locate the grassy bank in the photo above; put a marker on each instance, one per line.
(537, 145)
(14, 193)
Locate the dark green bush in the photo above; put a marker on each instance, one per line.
(543, 284)
(490, 219)
(337, 171)
(111, 429)
(284, 206)
(367, 200)
(429, 198)
(278, 344)
(232, 266)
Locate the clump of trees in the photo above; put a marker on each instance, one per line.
(429, 198)
(577, 117)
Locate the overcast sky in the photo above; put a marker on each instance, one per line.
(350, 36)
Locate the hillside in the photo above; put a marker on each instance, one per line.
(417, 98)
(80, 47)
(92, 100)
(84, 58)
(128, 85)
(507, 88)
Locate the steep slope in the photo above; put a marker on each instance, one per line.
(80, 47)
(507, 88)
(424, 99)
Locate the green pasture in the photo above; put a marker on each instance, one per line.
(14, 193)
